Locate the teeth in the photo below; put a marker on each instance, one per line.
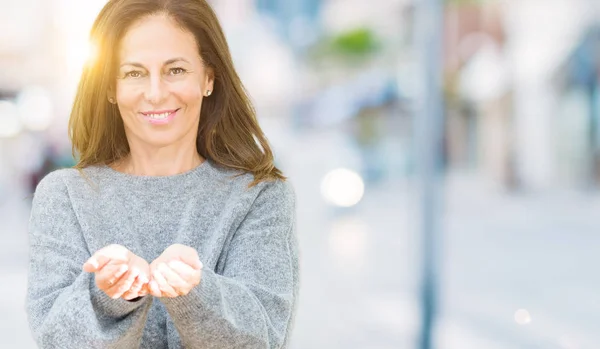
(158, 116)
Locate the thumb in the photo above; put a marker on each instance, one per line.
(95, 263)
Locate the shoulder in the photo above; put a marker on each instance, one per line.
(275, 201)
(278, 191)
(53, 182)
(51, 194)
(272, 190)
(58, 182)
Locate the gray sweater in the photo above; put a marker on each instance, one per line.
(245, 238)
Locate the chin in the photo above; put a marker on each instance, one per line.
(160, 140)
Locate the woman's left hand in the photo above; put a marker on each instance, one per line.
(175, 272)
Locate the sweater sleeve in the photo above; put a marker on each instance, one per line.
(65, 308)
(252, 304)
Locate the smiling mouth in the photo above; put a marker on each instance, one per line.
(160, 117)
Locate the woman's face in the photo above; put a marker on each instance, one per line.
(161, 81)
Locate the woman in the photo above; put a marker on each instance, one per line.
(184, 228)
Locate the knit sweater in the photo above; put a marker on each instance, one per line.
(245, 238)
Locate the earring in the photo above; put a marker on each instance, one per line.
(111, 100)
(208, 92)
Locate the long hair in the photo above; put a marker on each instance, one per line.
(228, 131)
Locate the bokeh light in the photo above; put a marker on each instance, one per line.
(522, 317)
(342, 187)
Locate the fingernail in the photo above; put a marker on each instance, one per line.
(93, 262)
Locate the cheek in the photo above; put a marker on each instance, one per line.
(127, 98)
(191, 95)
(189, 90)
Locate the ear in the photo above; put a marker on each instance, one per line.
(209, 79)
(111, 95)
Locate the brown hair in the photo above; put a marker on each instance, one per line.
(228, 132)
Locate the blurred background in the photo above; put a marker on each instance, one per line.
(340, 87)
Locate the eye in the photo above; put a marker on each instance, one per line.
(176, 71)
(133, 74)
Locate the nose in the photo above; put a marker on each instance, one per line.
(156, 90)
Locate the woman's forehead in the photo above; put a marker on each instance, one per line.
(157, 37)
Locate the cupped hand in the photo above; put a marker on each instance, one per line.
(175, 272)
(119, 272)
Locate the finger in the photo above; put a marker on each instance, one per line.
(135, 292)
(144, 291)
(124, 284)
(173, 279)
(139, 283)
(145, 288)
(154, 289)
(192, 260)
(95, 263)
(163, 285)
(130, 294)
(185, 271)
(112, 278)
(106, 274)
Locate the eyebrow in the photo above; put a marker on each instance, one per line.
(167, 62)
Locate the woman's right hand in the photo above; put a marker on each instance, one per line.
(119, 272)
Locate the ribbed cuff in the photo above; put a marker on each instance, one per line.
(193, 306)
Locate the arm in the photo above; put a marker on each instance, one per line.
(252, 304)
(65, 308)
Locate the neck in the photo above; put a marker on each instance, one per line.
(161, 162)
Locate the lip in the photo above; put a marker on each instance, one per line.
(168, 119)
